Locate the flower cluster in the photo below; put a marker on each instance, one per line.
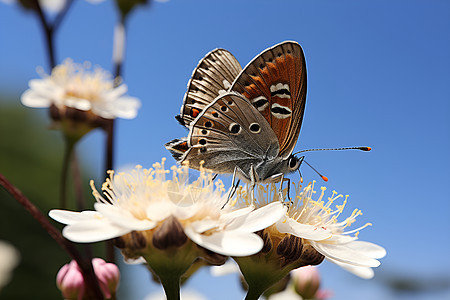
(144, 201)
(158, 215)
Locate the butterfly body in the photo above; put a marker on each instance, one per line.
(254, 126)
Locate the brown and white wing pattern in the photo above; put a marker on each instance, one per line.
(212, 76)
(275, 83)
(229, 133)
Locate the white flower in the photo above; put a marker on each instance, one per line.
(143, 199)
(9, 258)
(287, 294)
(74, 85)
(316, 222)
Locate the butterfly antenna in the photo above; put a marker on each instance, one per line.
(333, 149)
(300, 173)
(323, 177)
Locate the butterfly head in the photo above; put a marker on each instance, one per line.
(294, 162)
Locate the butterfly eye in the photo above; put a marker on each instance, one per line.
(215, 114)
(202, 142)
(204, 131)
(293, 162)
(223, 108)
(208, 124)
(235, 128)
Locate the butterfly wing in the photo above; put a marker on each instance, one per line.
(212, 76)
(275, 83)
(230, 132)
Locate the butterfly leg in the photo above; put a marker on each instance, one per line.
(234, 185)
(280, 191)
(252, 183)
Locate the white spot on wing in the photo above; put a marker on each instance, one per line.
(280, 86)
(262, 107)
(281, 115)
(226, 84)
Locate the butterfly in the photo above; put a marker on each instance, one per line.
(244, 121)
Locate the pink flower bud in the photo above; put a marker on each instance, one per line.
(108, 276)
(306, 281)
(71, 282)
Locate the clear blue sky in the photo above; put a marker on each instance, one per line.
(378, 75)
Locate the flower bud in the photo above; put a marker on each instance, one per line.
(71, 282)
(108, 276)
(306, 281)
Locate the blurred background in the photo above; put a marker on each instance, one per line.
(378, 75)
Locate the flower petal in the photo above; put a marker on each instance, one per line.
(233, 214)
(160, 210)
(134, 261)
(32, 99)
(230, 267)
(363, 272)
(78, 103)
(93, 231)
(203, 225)
(310, 232)
(368, 248)
(230, 243)
(123, 218)
(345, 254)
(260, 218)
(70, 217)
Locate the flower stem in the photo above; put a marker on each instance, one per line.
(171, 285)
(69, 146)
(50, 29)
(253, 294)
(84, 264)
(78, 185)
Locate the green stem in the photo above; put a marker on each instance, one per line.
(69, 146)
(78, 183)
(171, 285)
(253, 293)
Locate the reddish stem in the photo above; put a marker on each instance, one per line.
(84, 264)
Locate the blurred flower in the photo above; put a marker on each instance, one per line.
(185, 295)
(71, 282)
(316, 223)
(287, 294)
(72, 85)
(9, 259)
(143, 200)
(230, 267)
